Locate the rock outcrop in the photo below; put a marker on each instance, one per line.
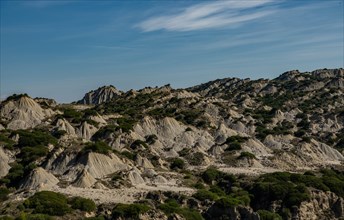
(4, 160)
(39, 178)
(101, 95)
(23, 112)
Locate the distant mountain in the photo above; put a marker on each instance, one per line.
(102, 94)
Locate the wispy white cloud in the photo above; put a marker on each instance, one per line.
(209, 15)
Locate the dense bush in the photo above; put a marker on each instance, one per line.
(171, 206)
(98, 147)
(47, 202)
(7, 218)
(151, 139)
(104, 132)
(228, 202)
(31, 154)
(247, 155)
(137, 144)
(34, 138)
(129, 210)
(83, 204)
(125, 124)
(6, 141)
(129, 155)
(26, 216)
(234, 142)
(16, 97)
(266, 215)
(195, 159)
(177, 163)
(212, 174)
(204, 194)
(14, 175)
(233, 146)
(59, 133)
(4, 193)
(340, 144)
(72, 114)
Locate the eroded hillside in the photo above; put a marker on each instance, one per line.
(227, 149)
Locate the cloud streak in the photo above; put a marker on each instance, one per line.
(208, 15)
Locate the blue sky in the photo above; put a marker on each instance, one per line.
(62, 49)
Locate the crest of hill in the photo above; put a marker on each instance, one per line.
(101, 95)
(22, 112)
(218, 87)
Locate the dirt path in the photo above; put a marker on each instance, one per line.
(124, 195)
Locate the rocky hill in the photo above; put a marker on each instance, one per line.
(227, 149)
(102, 94)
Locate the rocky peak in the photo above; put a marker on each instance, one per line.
(289, 75)
(101, 95)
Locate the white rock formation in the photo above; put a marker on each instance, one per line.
(4, 160)
(23, 113)
(39, 178)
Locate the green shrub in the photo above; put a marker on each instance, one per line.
(300, 133)
(195, 159)
(14, 175)
(267, 215)
(212, 174)
(47, 202)
(184, 152)
(228, 202)
(98, 147)
(217, 190)
(34, 138)
(151, 139)
(335, 184)
(204, 194)
(129, 210)
(198, 185)
(125, 124)
(234, 142)
(190, 214)
(6, 218)
(137, 143)
(247, 155)
(129, 155)
(4, 192)
(103, 132)
(95, 218)
(171, 206)
(235, 138)
(16, 97)
(290, 188)
(72, 114)
(6, 141)
(340, 144)
(242, 195)
(25, 216)
(83, 204)
(177, 163)
(59, 133)
(31, 154)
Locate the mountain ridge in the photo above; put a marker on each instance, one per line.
(203, 148)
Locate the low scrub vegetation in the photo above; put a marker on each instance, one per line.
(129, 211)
(47, 203)
(97, 147)
(171, 206)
